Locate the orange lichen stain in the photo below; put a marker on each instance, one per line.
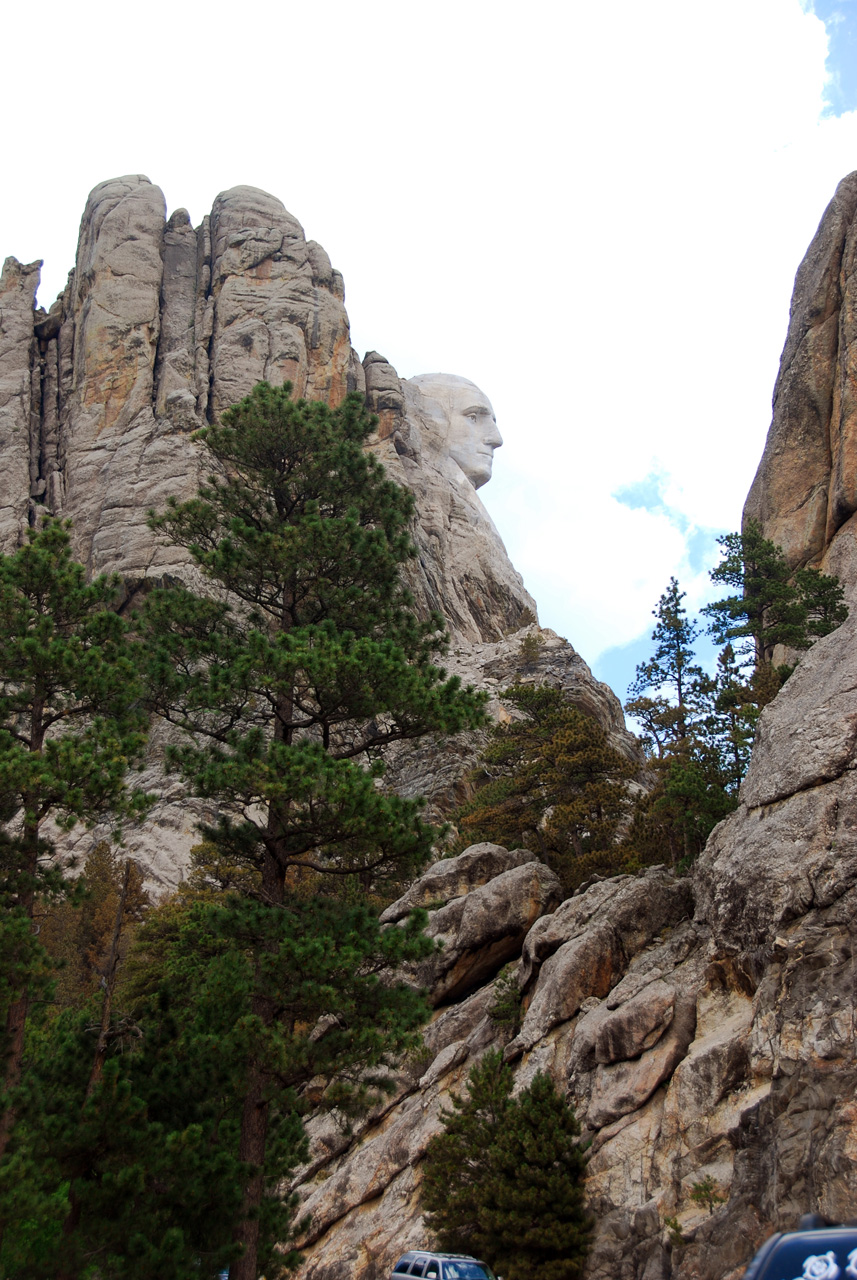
(387, 419)
(339, 361)
(262, 270)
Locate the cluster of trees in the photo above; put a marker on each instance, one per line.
(698, 727)
(150, 1110)
(504, 1179)
(550, 779)
(157, 1060)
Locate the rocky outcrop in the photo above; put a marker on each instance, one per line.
(160, 327)
(17, 347)
(462, 570)
(701, 1027)
(805, 491)
(163, 325)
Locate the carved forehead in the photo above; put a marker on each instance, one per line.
(454, 393)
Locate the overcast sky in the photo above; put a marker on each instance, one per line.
(594, 211)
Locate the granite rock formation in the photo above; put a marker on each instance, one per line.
(701, 1026)
(161, 326)
(705, 1026)
(805, 491)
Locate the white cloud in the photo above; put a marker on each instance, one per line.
(594, 211)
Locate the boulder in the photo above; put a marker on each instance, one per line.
(454, 877)
(484, 930)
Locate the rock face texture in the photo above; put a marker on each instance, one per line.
(701, 1026)
(160, 327)
(805, 491)
(704, 1026)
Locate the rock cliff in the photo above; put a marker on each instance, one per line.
(160, 327)
(805, 491)
(702, 1026)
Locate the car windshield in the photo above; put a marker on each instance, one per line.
(825, 1257)
(467, 1271)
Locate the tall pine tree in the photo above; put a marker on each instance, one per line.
(550, 781)
(290, 679)
(504, 1180)
(71, 725)
(667, 689)
(771, 606)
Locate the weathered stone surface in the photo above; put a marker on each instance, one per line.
(702, 1026)
(796, 826)
(453, 877)
(462, 571)
(634, 908)
(160, 327)
(486, 929)
(805, 491)
(18, 285)
(636, 1026)
(278, 309)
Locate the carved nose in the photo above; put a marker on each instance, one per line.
(494, 438)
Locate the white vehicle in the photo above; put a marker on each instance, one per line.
(441, 1266)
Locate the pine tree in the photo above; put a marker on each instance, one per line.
(536, 1221)
(550, 781)
(290, 682)
(456, 1168)
(730, 725)
(504, 1180)
(772, 606)
(71, 724)
(675, 680)
(150, 1153)
(675, 816)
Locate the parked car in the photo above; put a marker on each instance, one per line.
(816, 1251)
(443, 1266)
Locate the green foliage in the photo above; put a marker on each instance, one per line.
(674, 1231)
(293, 684)
(77, 930)
(505, 1008)
(771, 605)
(505, 1178)
(530, 647)
(149, 1160)
(71, 725)
(289, 681)
(676, 682)
(706, 1193)
(70, 716)
(551, 782)
(700, 729)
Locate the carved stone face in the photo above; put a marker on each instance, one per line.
(467, 421)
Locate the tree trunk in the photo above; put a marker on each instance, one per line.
(254, 1116)
(16, 1015)
(251, 1150)
(110, 984)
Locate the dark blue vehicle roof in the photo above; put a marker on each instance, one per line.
(828, 1253)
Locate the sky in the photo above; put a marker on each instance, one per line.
(594, 211)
